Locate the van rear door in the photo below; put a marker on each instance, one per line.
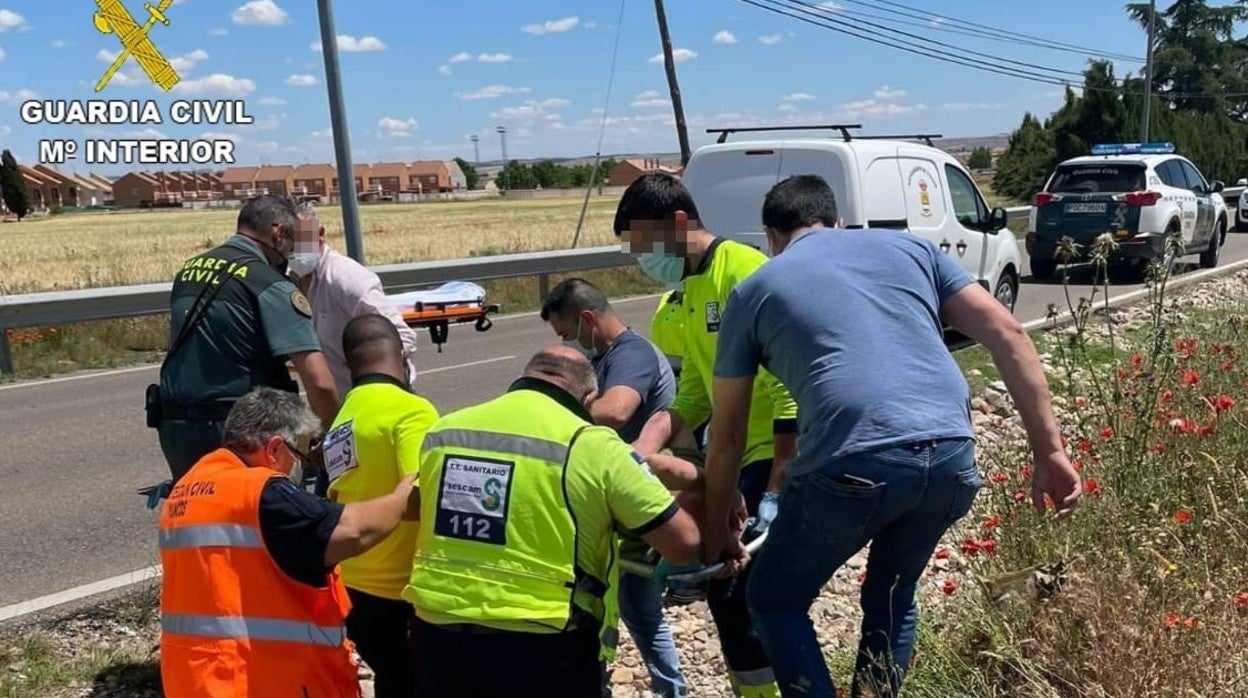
(728, 185)
(926, 210)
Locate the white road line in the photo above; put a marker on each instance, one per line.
(482, 362)
(84, 376)
(1174, 282)
(23, 608)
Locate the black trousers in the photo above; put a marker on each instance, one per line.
(184, 442)
(472, 662)
(381, 631)
(742, 649)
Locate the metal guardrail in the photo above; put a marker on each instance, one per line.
(62, 307)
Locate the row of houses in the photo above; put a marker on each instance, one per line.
(50, 188)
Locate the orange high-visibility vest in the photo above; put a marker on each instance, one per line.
(232, 623)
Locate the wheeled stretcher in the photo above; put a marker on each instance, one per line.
(456, 302)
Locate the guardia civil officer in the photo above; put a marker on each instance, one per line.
(521, 500)
(235, 320)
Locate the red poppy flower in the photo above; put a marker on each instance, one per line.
(1223, 403)
(1240, 599)
(1227, 366)
(1189, 622)
(998, 478)
(862, 578)
(1137, 360)
(1167, 396)
(1080, 402)
(1077, 464)
(1084, 445)
(1020, 496)
(970, 547)
(1206, 432)
(988, 545)
(1186, 347)
(1158, 447)
(1171, 620)
(1182, 516)
(942, 554)
(992, 522)
(949, 587)
(1190, 378)
(1092, 486)
(1122, 375)
(1025, 472)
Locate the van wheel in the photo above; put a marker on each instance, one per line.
(1007, 290)
(1043, 268)
(1209, 258)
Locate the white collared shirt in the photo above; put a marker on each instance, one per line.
(342, 289)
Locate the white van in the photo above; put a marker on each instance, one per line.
(879, 182)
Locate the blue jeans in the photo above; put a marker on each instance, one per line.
(641, 609)
(901, 499)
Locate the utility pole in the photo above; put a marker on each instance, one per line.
(682, 132)
(342, 139)
(476, 148)
(1148, 71)
(502, 137)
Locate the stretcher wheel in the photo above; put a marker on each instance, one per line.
(484, 324)
(439, 332)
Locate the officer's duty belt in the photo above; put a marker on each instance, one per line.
(201, 412)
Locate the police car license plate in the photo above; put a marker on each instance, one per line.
(1085, 208)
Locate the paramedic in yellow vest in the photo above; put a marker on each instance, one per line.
(658, 222)
(521, 498)
(373, 444)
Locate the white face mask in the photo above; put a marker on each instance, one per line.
(303, 263)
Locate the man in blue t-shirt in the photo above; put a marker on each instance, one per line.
(635, 380)
(852, 323)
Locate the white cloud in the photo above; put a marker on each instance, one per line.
(787, 107)
(220, 136)
(724, 37)
(970, 106)
(20, 96)
(147, 134)
(350, 44)
(829, 6)
(11, 20)
(218, 32)
(878, 108)
(260, 13)
(460, 57)
(271, 122)
(534, 110)
(650, 98)
(59, 43)
(555, 102)
(398, 128)
(551, 26)
(771, 39)
(106, 55)
(491, 92)
(495, 58)
(272, 102)
(217, 83)
(1, 55)
(5, 130)
(301, 80)
(186, 63)
(267, 146)
(679, 55)
(798, 97)
(886, 93)
(321, 135)
(444, 69)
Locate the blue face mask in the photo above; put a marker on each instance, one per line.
(661, 267)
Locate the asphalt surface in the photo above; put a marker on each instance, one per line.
(74, 451)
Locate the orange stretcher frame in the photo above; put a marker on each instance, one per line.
(439, 317)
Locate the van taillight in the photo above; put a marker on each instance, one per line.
(1142, 198)
(1041, 199)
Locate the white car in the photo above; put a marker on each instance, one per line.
(879, 182)
(1143, 194)
(1241, 214)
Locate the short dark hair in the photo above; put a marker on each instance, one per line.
(368, 339)
(655, 196)
(572, 297)
(798, 202)
(263, 212)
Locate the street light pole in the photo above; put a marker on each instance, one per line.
(1148, 71)
(342, 139)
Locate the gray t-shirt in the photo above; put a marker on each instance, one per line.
(849, 321)
(634, 362)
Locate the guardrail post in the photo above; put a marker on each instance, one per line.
(6, 356)
(543, 287)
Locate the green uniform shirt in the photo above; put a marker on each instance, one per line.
(373, 444)
(256, 320)
(725, 265)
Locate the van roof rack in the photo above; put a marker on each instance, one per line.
(925, 137)
(843, 128)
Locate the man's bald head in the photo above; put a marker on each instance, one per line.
(566, 368)
(371, 344)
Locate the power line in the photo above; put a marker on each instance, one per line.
(980, 34)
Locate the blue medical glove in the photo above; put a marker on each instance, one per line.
(767, 510)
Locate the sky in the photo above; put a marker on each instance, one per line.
(420, 77)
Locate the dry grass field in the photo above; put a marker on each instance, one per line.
(111, 249)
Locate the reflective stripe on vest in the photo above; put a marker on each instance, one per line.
(205, 535)
(236, 628)
(512, 444)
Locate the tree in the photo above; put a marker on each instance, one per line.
(1022, 170)
(516, 175)
(13, 186)
(981, 159)
(471, 177)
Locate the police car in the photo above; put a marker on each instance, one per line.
(1241, 215)
(879, 182)
(1141, 193)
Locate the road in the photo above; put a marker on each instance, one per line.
(75, 449)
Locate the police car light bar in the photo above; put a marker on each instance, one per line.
(1133, 148)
